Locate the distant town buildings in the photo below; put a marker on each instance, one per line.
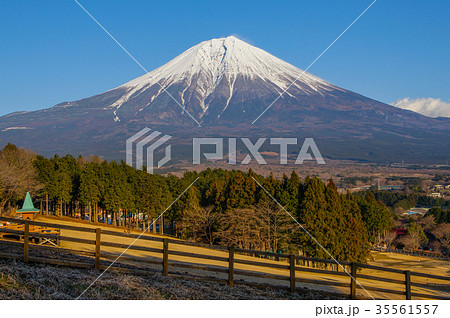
(382, 188)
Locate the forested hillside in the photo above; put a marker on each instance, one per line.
(222, 207)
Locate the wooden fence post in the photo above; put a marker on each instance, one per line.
(26, 241)
(98, 232)
(408, 284)
(353, 281)
(292, 272)
(166, 257)
(231, 266)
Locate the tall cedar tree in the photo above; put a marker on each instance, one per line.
(375, 215)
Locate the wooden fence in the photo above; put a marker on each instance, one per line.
(294, 271)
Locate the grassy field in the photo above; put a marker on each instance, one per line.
(397, 261)
(413, 263)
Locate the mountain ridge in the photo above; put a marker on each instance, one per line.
(225, 84)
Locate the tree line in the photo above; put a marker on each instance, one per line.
(222, 207)
(405, 200)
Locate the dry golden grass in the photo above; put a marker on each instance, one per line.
(397, 261)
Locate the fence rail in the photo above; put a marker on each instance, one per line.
(224, 267)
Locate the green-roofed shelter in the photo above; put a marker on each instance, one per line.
(28, 209)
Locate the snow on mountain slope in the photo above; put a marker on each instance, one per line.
(202, 68)
(225, 84)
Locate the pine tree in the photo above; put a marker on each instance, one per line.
(290, 195)
(90, 183)
(334, 221)
(375, 215)
(237, 194)
(60, 183)
(352, 235)
(312, 215)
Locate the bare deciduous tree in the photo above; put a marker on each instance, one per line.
(200, 222)
(277, 224)
(389, 238)
(17, 174)
(410, 241)
(241, 228)
(442, 233)
(427, 222)
(261, 227)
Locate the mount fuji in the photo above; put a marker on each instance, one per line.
(218, 88)
(220, 77)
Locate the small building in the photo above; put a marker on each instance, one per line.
(28, 210)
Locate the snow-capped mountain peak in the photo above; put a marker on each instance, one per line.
(224, 56)
(202, 69)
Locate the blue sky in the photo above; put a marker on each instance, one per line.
(52, 52)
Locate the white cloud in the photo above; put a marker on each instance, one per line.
(432, 107)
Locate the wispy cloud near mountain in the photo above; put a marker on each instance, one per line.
(432, 107)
